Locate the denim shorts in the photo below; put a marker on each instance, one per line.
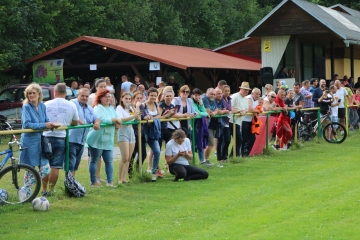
(126, 134)
(58, 152)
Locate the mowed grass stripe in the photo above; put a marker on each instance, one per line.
(309, 193)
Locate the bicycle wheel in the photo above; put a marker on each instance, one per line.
(334, 132)
(304, 131)
(12, 181)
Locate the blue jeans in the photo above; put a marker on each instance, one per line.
(201, 155)
(75, 152)
(107, 156)
(155, 147)
(58, 152)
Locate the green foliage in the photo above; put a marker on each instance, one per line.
(29, 27)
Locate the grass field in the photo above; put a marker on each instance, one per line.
(307, 193)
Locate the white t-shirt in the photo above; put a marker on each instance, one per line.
(172, 148)
(91, 99)
(341, 93)
(334, 110)
(254, 104)
(62, 111)
(123, 113)
(239, 102)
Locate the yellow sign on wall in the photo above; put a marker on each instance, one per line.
(267, 47)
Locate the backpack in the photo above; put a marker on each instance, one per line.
(73, 187)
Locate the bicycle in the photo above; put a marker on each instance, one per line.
(12, 174)
(332, 132)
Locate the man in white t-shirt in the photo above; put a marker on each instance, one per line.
(248, 136)
(341, 93)
(65, 113)
(238, 105)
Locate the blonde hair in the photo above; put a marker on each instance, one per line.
(166, 90)
(31, 87)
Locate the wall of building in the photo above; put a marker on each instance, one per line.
(342, 67)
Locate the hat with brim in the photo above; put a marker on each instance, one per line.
(245, 85)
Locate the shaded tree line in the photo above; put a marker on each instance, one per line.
(30, 27)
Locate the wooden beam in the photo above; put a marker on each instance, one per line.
(134, 68)
(113, 56)
(117, 64)
(67, 61)
(297, 59)
(352, 72)
(165, 72)
(332, 60)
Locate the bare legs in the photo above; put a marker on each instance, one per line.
(50, 180)
(126, 150)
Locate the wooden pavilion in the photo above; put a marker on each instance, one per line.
(113, 57)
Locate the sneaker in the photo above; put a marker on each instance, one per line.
(215, 153)
(110, 185)
(23, 195)
(160, 173)
(288, 145)
(178, 180)
(220, 165)
(153, 177)
(207, 163)
(285, 147)
(148, 171)
(275, 147)
(45, 194)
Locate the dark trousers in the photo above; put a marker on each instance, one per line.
(187, 172)
(239, 139)
(223, 144)
(248, 138)
(166, 135)
(136, 151)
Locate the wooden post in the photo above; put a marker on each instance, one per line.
(140, 148)
(297, 59)
(332, 60)
(352, 72)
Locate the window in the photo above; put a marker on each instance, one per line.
(8, 95)
(46, 94)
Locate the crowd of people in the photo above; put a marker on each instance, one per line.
(132, 102)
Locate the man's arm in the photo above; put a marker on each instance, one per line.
(250, 107)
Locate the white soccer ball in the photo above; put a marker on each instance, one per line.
(40, 204)
(3, 195)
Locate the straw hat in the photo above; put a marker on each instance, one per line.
(245, 85)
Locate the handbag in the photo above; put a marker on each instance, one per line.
(45, 143)
(46, 147)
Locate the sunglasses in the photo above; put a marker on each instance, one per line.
(272, 96)
(185, 91)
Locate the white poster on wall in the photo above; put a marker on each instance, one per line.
(93, 67)
(154, 66)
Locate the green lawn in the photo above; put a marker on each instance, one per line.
(308, 193)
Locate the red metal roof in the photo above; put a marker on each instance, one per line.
(177, 56)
